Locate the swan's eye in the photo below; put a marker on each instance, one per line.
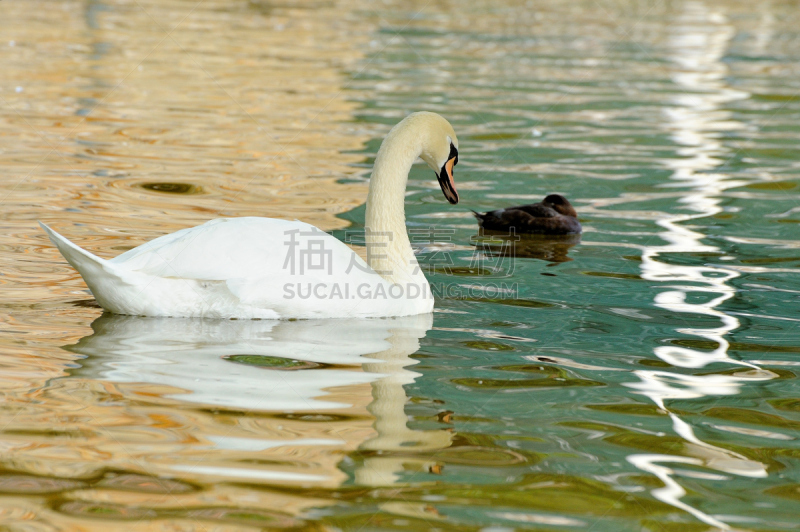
(453, 154)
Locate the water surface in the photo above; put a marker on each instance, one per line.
(642, 378)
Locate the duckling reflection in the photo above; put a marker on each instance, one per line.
(222, 363)
(498, 245)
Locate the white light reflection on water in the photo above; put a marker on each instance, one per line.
(699, 41)
(190, 355)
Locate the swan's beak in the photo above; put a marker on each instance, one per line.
(446, 178)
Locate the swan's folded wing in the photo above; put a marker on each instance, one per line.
(274, 268)
(238, 248)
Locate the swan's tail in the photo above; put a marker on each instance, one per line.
(94, 270)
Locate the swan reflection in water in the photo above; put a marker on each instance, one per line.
(292, 368)
(499, 245)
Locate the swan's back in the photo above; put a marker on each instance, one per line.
(230, 248)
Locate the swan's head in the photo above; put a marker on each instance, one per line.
(440, 151)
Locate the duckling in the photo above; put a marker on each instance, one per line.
(552, 216)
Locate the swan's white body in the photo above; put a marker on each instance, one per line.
(277, 269)
(238, 268)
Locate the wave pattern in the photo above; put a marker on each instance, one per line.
(643, 376)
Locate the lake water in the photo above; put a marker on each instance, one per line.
(642, 377)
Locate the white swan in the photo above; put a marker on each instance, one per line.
(278, 269)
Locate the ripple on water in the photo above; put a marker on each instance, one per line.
(556, 403)
(171, 188)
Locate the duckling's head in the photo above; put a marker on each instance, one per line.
(561, 205)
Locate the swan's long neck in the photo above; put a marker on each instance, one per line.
(388, 249)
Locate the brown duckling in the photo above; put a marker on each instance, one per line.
(554, 215)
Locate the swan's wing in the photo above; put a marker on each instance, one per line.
(243, 248)
(262, 267)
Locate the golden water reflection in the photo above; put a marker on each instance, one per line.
(123, 121)
(132, 103)
(167, 398)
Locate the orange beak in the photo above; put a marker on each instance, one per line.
(446, 181)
